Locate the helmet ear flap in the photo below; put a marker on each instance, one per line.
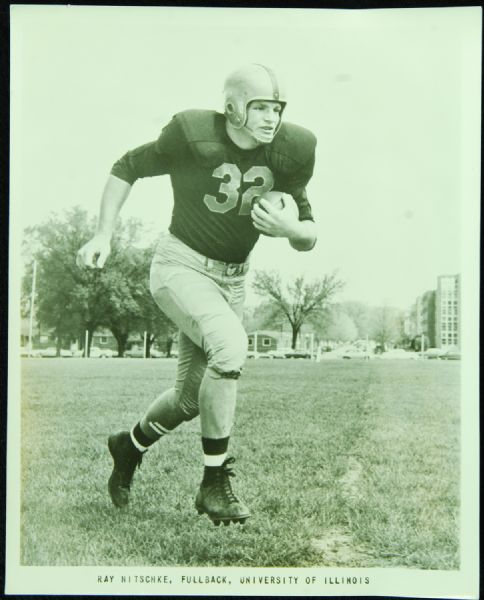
(233, 114)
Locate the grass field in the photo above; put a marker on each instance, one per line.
(343, 463)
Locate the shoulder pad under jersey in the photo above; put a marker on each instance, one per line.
(292, 148)
(203, 131)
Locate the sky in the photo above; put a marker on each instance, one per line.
(391, 95)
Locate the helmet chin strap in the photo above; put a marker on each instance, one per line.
(257, 139)
(254, 136)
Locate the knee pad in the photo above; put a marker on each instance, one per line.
(227, 358)
(217, 374)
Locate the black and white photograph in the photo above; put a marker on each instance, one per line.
(244, 301)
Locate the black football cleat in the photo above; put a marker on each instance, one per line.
(217, 500)
(126, 458)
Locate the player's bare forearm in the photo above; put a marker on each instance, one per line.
(114, 195)
(304, 236)
(95, 252)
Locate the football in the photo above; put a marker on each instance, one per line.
(276, 199)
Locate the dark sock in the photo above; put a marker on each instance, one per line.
(213, 447)
(216, 448)
(141, 438)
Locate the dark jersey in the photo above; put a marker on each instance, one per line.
(215, 182)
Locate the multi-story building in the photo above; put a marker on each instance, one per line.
(420, 318)
(427, 316)
(411, 320)
(447, 311)
(436, 314)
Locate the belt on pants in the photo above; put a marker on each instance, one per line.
(223, 268)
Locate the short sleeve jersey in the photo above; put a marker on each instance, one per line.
(215, 182)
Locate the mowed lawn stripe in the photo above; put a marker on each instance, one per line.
(300, 427)
(407, 508)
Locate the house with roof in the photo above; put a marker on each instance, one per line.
(265, 340)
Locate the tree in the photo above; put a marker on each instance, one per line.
(360, 314)
(341, 327)
(151, 319)
(266, 315)
(298, 300)
(386, 325)
(66, 299)
(71, 300)
(416, 343)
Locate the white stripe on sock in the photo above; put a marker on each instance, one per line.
(157, 428)
(214, 460)
(136, 443)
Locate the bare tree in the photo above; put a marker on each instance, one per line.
(297, 300)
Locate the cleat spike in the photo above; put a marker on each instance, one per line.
(216, 522)
(226, 523)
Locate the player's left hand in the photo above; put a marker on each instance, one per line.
(276, 222)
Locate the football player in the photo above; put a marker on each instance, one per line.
(219, 165)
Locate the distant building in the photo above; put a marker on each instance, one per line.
(263, 341)
(427, 316)
(448, 309)
(266, 340)
(103, 338)
(412, 321)
(436, 314)
(420, 318)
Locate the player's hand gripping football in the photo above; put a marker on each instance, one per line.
(276, 214)
(94, 254)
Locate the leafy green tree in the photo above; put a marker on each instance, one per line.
(299, 301)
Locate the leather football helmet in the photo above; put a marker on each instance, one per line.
(251, 82)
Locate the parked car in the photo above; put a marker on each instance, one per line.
(134, 353)
(51, 352)
(26, 352)
(451, 355)
(433, 353)
(96, 352)
(276, 354)
(355, 353)
(332, 354)
(154, 353)
(291, 353)
(399, 353)
(140, 353)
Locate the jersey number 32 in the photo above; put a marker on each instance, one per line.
(232, 179)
